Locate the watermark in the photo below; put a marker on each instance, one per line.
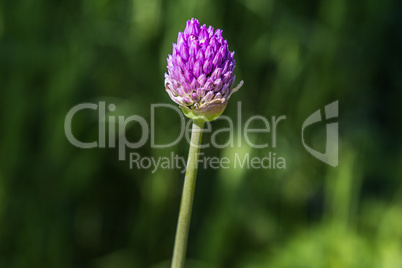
(107, 124)
(331, 151)
(112, 134)
(175, 161)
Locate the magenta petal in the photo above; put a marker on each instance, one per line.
(218, 95)
(216, 74)
(218, 33)
(209, 53)
(208, 97)
(195, 97)
(193, 49)
(190, 63)
(189, 76)
(209, 85)
(184, 52)
(201, 92)
(197, 71)
(194, 84)
(200, 56)
(214, 44)
(180, 39)
(210, 31)
(202, 79)
(174, 53)
(217, 60)
(207, 67)
(187, 101)
(226, 76)
(218, 85)
(204, 36)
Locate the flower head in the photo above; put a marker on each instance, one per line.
(200, 72)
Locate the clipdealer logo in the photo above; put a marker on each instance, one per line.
(110, 136)
(330, 156)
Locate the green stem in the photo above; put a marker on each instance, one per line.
(183, 224)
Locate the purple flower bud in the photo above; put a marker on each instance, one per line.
(201, 92)
(210, 31)
(197, 68)
(218, 85)
(216, 74)
(195, 97)
(200, 56)
(187, 101)
(193, 27)
(231, 55)
(179, 91)
(208, 97)
(190, 64)
(193, 48)
(231, 82)
(184, 52)
(225, 89)
(218, 33)
(202, 79)
(189, 77)
(217, 60)
(204, 36)
(207, 66)
(186, 87)
(178, 62)
(180, 39)
(174, 50)
(209, 85)
(222, 52)
(200, 72)
(209, 53)
(227, 76)
(213, 44)
(194, 83)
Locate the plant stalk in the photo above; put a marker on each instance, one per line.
(183, 224)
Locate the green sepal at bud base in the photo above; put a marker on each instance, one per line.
(209, 113)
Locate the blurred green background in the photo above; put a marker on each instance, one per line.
(61, 206)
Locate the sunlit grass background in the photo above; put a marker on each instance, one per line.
(61, 206)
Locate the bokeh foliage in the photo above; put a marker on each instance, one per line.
(61, 206)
